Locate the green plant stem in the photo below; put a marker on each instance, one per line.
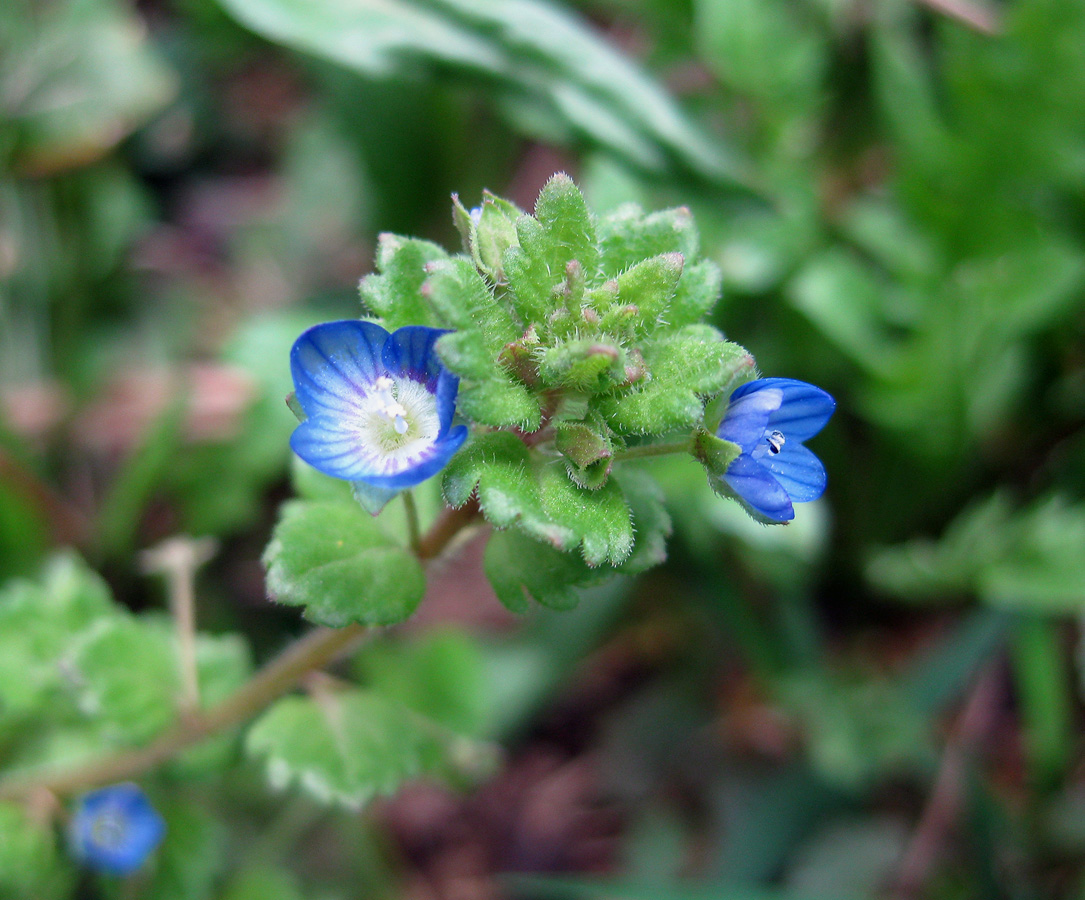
(414, 535)
(311, 652)
(649, 450)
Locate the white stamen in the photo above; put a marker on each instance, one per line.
(776, 441)
(400, 424)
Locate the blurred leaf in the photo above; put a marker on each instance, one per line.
(606, 889)
(1028, 559)
(851, 858)
(534, 54)
(768, 49)
(333, 559)
(348, 746)
(1043, 690)
(30, 867)
(440, 676)
(38, 623)
(125, 679)
(263, 883)
(76, 78)
(192, 856)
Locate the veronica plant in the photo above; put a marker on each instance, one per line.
(570, 344)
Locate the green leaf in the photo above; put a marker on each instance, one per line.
(440, 675)
(126, 679)
(515, 563)
(334, 560)
(1027, 560)
(686, 366)
(192, 857)
(465, 302)
(396, 293)
(78, 78)
(627, 236)
(767, 49)
(529, 54)
(38, 623)
(30, 867)
(561, 232)
(650, 286)
(501, 403)
(345, 746)
(263, 883)
(539, 498)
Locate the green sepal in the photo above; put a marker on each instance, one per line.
(333, 560)
(582, 443)
(295, 407)
(349, 746)
(461, 218)
(371, 498)
(494, 234)
(714, 453)
(396, 293)
(590, 366)
(590, 477)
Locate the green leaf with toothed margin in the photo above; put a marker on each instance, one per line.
(349, 746)
(331, 558)
(538, 498)
(395, 292)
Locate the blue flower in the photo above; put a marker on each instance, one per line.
(115, 829)
(769, 419)
(379, 405)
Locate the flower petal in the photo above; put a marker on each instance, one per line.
(805, 408)
(748, 415)
(447, 386)
(429, 462)
(756, 485)
(409, 352)
(333, 365)
(334, 448)
(798, 470)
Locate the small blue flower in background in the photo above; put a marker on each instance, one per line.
(115, 829)
(769, 419)
(379, 405)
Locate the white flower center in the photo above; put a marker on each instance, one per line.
(397, 421)
(107, 830)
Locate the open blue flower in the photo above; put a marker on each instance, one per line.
(115, 829)
(379, 405)
(769, 419)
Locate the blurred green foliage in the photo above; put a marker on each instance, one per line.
(896, 201)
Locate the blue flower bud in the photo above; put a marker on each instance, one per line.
(769, 419)
(115, 829)
(379, 405)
